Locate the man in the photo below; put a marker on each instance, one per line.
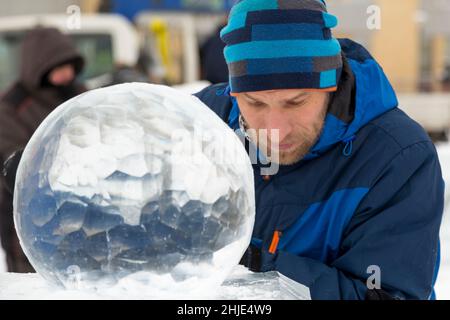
(355, 208)
(49, 66)
(213, 66)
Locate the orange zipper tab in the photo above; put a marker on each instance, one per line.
(275, 241)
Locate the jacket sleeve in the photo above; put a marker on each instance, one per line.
(13, 134)
(395, 228)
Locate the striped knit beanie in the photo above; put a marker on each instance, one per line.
(281, 44)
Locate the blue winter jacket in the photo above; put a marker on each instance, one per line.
(369, 196)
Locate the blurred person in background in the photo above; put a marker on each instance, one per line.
(213, 66)
(49, 67)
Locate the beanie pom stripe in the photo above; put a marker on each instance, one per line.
(281, 49)
(287, 65)
(254, 5)
(251, 83)
(264, 32)
(294, 31)
(285, 16)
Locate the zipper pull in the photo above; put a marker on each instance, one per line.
(275, 241)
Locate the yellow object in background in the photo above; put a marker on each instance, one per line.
(160, 29)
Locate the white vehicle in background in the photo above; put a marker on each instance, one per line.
(172, 39)
(431, 110)
(105, 40)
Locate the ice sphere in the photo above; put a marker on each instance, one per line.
(135, 179)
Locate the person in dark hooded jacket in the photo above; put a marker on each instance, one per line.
(49, 66)
(213, 66)
(354, 209)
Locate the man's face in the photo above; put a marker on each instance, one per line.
(299, 116)
(62, 75)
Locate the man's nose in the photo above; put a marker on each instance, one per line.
(276, 120)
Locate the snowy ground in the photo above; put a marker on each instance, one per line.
(240, 285)
(2, 261)
(443, 283)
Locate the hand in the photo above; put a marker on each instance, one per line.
(10, 169)
(252, 258)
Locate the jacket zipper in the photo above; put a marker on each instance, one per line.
(275, 241)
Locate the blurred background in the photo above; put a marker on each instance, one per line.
(175, 42)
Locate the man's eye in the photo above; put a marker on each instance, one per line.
(257, 104)
(296, 103)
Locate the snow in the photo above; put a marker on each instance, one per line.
(443, 282)
(2, 261)
(192, 87)
(241, 284)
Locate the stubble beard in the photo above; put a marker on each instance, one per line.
(307, 137)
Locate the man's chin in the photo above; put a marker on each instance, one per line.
(287, 158)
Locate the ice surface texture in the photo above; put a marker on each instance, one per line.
(134, 180)
(240, 285)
